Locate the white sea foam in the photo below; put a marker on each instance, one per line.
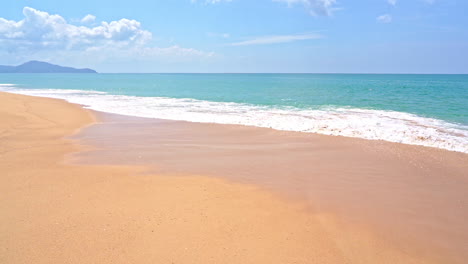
(350, 122)
(7, 85)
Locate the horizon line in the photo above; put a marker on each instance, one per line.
(348, 73)
(389, 73)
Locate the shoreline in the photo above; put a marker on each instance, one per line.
(116, 213)
(381, 125)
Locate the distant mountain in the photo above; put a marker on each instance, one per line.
(41, 67)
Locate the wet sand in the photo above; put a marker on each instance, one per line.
(414, 197)
(139, 209)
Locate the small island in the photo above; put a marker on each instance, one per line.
(41, 67)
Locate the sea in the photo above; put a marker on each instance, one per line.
(427, 110)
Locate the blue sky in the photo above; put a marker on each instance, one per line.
(367, 36)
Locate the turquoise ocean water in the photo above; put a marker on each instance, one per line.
(429, 110)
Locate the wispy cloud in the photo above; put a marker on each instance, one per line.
(88, 19)
(392, 2)
(264, 40)
(315, 7)
(384, 18)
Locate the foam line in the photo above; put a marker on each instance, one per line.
(338, 121)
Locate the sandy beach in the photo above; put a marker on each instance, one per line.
(112, 193)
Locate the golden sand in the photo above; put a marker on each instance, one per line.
(54, 212)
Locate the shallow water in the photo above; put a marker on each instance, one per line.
(428, 110)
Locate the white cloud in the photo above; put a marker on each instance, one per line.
(392, 2)
(40, 30)
(315, 7)
(276, 39)
(88, 19)
(42, 33)
(384, 18)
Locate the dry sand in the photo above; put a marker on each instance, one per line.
(56, 212)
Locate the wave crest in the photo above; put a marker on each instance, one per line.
(338, 121)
